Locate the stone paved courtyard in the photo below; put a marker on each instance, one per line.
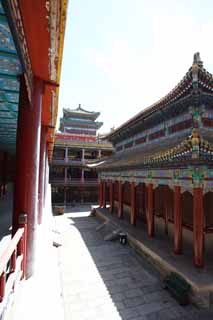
(105, 280)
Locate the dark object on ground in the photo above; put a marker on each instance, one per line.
(58, 210)
(178, 287)
(56, 244)
(122, 238)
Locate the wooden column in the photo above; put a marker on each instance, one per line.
(100, 194)
(133, 204)
(83, 155)
(120, 200)
(42, 177)
(27, 166)
(99, 154)
(143, 198)
(65, 175)
(104, 194)
(46, 176)
(111, 196)
(166, 209)
(4, 172)
(82, 175)
(177, 220)
(65, 196)
(198, 227)
(150, 210)
(66, 154)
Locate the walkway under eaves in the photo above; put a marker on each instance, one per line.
(105, 280)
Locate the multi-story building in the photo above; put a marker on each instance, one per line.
(161, 172)
(75, 146)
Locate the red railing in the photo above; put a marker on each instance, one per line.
(12, 267)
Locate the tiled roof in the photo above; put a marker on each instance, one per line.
(191, 149)
(80, 112)
(195, 80)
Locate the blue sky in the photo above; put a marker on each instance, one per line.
(120, 56)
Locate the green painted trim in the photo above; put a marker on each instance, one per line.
(8, 54)
(9, 91)
(6, 118)
(9, 108)
(6, 125)
(3, 17)
(11, 123)
(14, 113)
(8, 76)
(8, 102)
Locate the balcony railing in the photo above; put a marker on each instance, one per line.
(12, 265)
(74, 182)
(68, 161)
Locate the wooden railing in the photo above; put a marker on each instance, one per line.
(12, 268)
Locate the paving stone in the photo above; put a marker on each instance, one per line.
(132, 302)
(116, 297)
(157, 296)
(133, 293)
(128, 313)
(119, 305)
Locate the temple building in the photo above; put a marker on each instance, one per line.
(31, 47)
(162, 173)
(76, 145)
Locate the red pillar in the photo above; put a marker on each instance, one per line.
(104, 194)
(133, 204)
(150, 210)
(143, 198)
(42, 180)
(46, 182)
(4, 172)
(166, 209)
(65, 175)
(111, 198)
(100, 193)
(65, 196)
(27, 166)
(198, 227)
(120, 199)
(177, 220)
(45, 176)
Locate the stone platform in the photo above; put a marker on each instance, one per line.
(159, 252)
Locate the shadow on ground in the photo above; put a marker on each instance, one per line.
(120, 284)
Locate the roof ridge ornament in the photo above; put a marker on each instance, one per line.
(197, 64)
(197, 60)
